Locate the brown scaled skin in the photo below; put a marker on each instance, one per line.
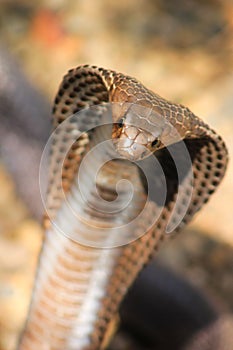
(66, 291)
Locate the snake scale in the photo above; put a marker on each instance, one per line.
(78, 287)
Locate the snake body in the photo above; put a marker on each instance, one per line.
(78, 288)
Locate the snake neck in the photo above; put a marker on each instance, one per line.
(71, 300)
(79, 288)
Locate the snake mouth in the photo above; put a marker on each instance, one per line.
(132, 143)
(135, 153)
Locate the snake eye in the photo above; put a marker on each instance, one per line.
(120, 122)
(154, 143)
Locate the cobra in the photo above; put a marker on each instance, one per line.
(78, 287)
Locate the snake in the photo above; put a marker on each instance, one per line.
(80, 283)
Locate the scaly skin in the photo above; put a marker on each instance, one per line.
(78, 289)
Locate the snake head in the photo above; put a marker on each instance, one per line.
(134, 137)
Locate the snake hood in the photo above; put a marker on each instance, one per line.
(79, 287)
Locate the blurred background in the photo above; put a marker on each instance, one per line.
(182, 50)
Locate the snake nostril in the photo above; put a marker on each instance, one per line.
(120, 122)
(144, 154)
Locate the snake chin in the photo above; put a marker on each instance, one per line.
(132, 150)
(131, 142)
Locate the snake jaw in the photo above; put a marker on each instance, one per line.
(132, 143)
(134, 152)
